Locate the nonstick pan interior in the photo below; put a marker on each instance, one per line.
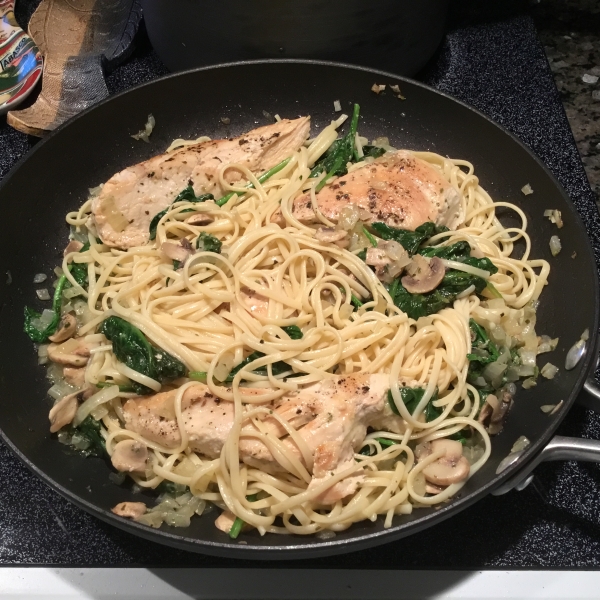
(55, 176)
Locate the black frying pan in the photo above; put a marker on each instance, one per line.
(55, 176)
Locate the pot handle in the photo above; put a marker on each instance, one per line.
(559, 447)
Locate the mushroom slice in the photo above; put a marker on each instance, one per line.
(74, 376)
(75, 352)
(328, 234)
(199, 219)
(500, 413)
(130, 456)
(73, 246)
(377, 257)
(180, 252)
(131, 510)
(450, 468)
(66, 329)
(63, 412)
(426, 275)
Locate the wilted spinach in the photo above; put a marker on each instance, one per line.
(411, 398)
(410, 240)
(339, 154)
(293, 331)
(208, 243)
(186, 194)
(132, 348)
(41, 335)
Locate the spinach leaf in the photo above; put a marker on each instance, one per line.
(363, 255)
(372, 151)
(454, 283)
(208, 243)
(278, 367)
(186, 194)
(384, 442)
(293, 331)
(410, 240)
(132, 348)
(340, 153)
(41, 335)
(458, 251)
(91, 442)
(411, 398)
(80, 270)
(487, 351)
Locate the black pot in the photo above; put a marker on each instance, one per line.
(398, 34)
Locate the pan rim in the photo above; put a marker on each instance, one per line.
(368, 539)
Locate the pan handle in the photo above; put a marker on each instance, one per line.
(591, 398)
(559, 447)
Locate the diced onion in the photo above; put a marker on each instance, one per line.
(555, 217)
(547, 408)
(104, 395)
(337, 106)
(527, 190)
(72, 292)
(145, 133)
(585, 336)
(349, 216)
(43, 294)
(521, 443)
(527, 357)
(555, 245)
(549, 371)
(529, 383)
(40, 278)
(61, 389)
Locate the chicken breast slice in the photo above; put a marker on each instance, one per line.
(397, 189)
(130, 199)
(330, 416)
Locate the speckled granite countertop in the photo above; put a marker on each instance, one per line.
(570, 33)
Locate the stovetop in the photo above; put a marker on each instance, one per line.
(499, 67)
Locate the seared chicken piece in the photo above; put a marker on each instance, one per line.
(397, 189)
(331, 417)
(130, 199)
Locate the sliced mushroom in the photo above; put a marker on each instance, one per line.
(130, 456)
(66, 329)
(328, 234)
(425, 276)
(450, 468)
(73, 246)
(199, 219)
(75, 377)
(131, 510)
(178, 252)
(377, 257)
(500, 413)
(75, 352)
(63, 412)
(433, 489)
